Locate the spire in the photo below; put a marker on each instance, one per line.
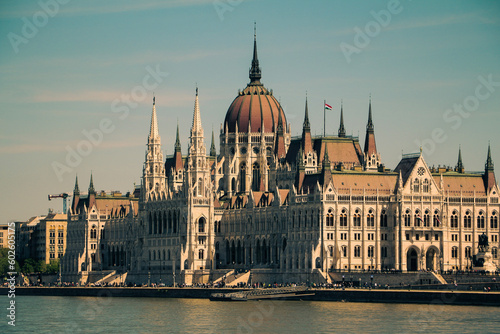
(489, 162)
(279, 146)
(255, 73)
(341, 127)
(306, 133)
(213, 151)
(306, 117)
(177, 140)
(326, 159)
(369, 126)
(91, 186)
(196, 129)
(460, 165)
(153, 131)
(76, 191)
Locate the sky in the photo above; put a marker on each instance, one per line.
(77, 80)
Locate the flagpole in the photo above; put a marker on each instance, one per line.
(324, 118)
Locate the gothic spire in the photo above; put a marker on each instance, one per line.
(91, 186)
(369, 126)
(196, 129)
(460, 165)
(489, 162)
(306, 124)
(213, 151)
(255, 73)
(177, 140)
(76, 191)
(341, 127)
(153, 131)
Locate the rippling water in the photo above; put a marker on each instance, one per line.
(157, 315)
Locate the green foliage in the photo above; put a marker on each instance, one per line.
(53, 267)
(31, 266)
(4, 263)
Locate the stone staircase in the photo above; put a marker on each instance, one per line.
(439, 278)
(241, 278)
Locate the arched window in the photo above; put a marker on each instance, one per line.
(480, 220)
(425, 186)
(494, 252)
(233, 184)
(200, 187)
(329, 218)
(417, 219)
(416, 186)
(344, 251)
(467, 220)
(357, 218)
(436, 221)
(93, 232)
(454, 252)
(343, 218)
(201, 225)
(330, 251)
(494, 220)
(255, 177)
(370, 219)
(371, 251)
(426, 218)
(242, 177)
(407, 218)
(383, 219)
(468, 252)
(357, 251)
(454, 220)
(201, 254)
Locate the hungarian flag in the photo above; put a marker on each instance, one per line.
(328, 107)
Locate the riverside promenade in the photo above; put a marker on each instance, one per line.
(445, 297)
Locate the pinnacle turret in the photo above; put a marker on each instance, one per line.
(369, 126)
(489, 167)
(196, 129)
(153, 131)
(177, 140)
(460, 165)
(306, 123)
(341, 127)
(91, 186)
(76, 191)
(213, 151)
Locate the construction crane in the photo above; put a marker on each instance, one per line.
(64, 196)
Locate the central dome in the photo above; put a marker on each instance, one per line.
(255, 107)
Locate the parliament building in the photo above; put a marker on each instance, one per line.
(285, 209)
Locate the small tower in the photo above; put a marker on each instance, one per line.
(489, 172)
(154, 169)
(213, 151)
(92, 192)
(460, 166)
(309, 156)
(76, 196)
(371, 156)
(341, 127)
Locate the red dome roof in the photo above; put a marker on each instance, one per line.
(254, 106)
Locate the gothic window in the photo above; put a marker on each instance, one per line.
(454, 220)
(480, 220)
(467, 220)
(407, 218)
(468, 253)
(425, 186)
(426, 218)
(494, 220)
(201, 254)
(330, 251)
(436, 221)
(383, 219)
(357, 251)
(454, 252)
(417, 218)
(344, 251)
(233, 184)
(494, 252)
(255, 177)
(416, 186)
(383, 251)
(371, 251)
(200, 187)
(93, 232)
(329, 218)
(201, 225)
(242, 177)
(343, 218)
(357, 218)
(370, 219)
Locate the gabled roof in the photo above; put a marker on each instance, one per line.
(406, 165)
(458, 184)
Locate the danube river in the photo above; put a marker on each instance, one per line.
(162, 315)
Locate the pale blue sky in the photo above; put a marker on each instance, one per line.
(64, 80)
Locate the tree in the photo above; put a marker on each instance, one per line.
(5, 266)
